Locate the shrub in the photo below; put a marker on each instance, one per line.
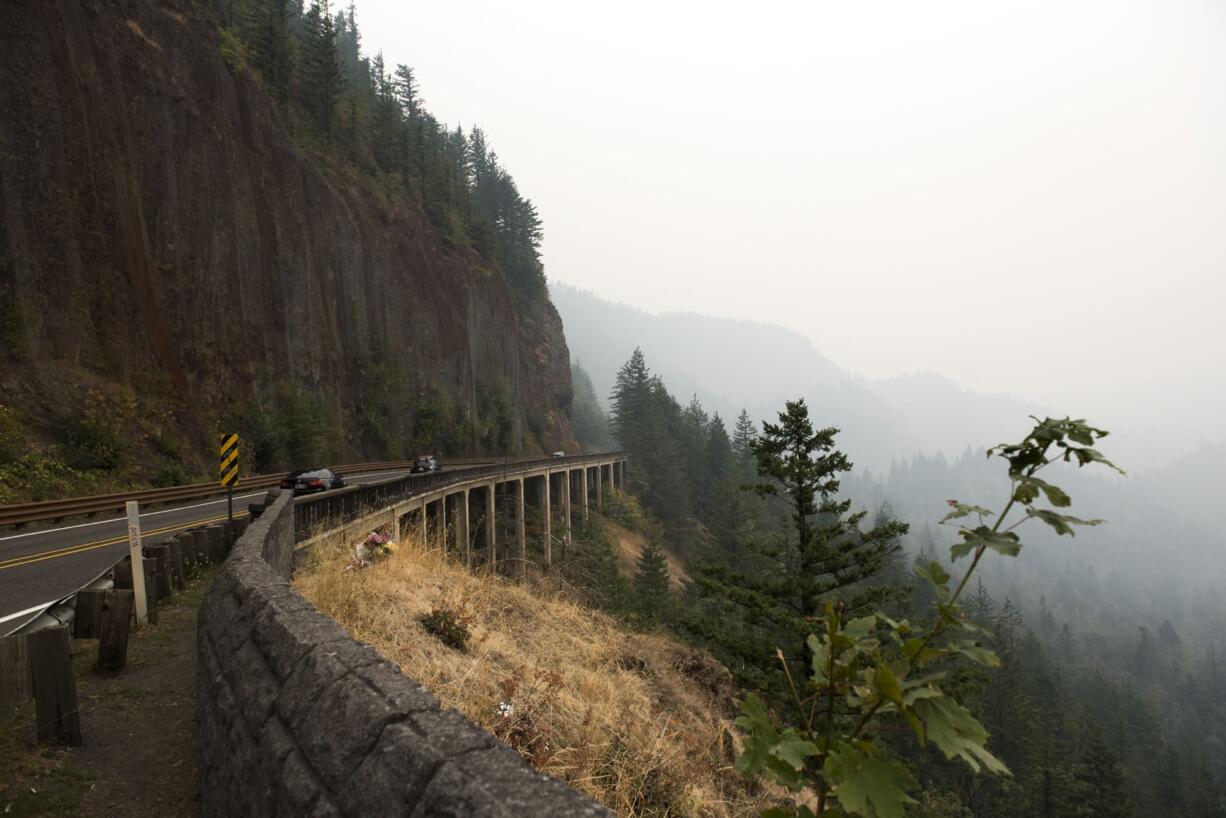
(10, 434)
(98, 434)
(447, 626)
(169, 474)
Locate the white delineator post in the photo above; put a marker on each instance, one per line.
(138, 563)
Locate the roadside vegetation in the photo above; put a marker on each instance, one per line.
(640, 721)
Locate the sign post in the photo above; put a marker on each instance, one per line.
(137, 555)
(227, 472)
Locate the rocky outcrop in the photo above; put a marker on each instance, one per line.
(160, 229)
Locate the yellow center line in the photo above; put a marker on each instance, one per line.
(17, 562)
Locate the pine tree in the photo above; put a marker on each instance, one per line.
(1101, 790)
(743, 436)
(772, 598)
(266, 30)
(651, 582)
(321, 70)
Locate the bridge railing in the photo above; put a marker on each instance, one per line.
(332, 509)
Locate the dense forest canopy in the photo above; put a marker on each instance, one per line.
(363, 111)
(1108, 697)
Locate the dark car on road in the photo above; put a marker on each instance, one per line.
(309, 481)
(425, 465)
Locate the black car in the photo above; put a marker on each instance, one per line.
(309, 481)
(424, 465)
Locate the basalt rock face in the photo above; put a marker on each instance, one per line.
(160, 229)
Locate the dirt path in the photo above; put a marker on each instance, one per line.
(138, 756)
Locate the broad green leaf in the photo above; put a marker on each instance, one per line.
(1028, 489)
(936, 575)
(1062, 523)
(760, 735)
(956, 732)
(887, 684)
(1085, 456)
(867, 785)
(821, 657)
(912, 650)
(976, 653)
(793, 751)
(1002, 542)
(859, 628)
(901, 627)
(965, 510)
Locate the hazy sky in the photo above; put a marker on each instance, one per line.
(1027, 197)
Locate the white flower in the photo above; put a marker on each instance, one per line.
(505, 710)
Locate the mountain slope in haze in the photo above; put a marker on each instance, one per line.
(168, 244)
(732, 365)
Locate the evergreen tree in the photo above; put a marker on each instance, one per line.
(651, 582)
(773, 601)
(1102, 782)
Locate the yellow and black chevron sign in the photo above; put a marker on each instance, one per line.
(227, 473)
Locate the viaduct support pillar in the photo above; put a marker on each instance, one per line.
(547, 509)
(440, 524)
(566, 506)
(519, 527)
(464, 542)
(583, 491)
(599, 485)
(491, 541)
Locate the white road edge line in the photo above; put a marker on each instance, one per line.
(155, 513)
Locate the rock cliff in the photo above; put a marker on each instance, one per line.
(162, 233)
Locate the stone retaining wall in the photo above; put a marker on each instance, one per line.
(295, 717)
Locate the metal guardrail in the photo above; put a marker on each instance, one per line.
(54, 510)
(341, 506)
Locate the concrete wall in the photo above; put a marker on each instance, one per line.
(295, 717)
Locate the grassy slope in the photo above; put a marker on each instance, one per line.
(639, 721)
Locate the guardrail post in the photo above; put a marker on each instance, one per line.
(87, 611)
(55, 688)
(137, 555)
(15, 683)
(161, 555)
(112, 629)
(200, 545)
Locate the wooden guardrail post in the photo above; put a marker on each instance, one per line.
(200, 545)
(87, 612)
(161, 578)
(15, 683)
(55, 688)
(175, 553)
(114, 614)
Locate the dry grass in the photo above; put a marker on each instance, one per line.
(629, 543)
(638, 721)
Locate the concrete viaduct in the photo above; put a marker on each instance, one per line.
(482, 515)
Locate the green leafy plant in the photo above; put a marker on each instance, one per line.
(866, 668)
(448, 626)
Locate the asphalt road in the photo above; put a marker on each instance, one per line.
(39, 567)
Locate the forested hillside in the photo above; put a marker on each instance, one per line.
(247, 222)
(1108, 696)
(733, 365)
